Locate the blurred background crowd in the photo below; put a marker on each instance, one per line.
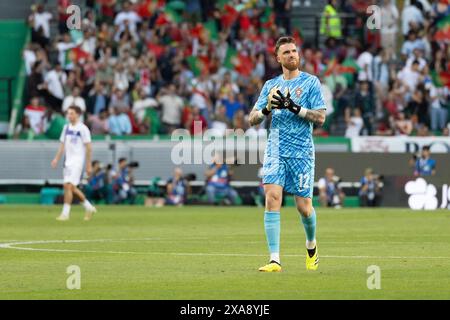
(152, 66)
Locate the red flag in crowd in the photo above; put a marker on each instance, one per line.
(229, 16)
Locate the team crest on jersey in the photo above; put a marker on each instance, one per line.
(298, 92)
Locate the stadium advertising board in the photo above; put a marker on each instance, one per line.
(416, 193)
(401, 144)
(424, 195)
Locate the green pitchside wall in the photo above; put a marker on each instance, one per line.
(13, 36)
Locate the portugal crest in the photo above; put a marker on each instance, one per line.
(298, 92)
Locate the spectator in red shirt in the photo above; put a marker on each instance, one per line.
(196, 122)
(35, 112)
(107, 10)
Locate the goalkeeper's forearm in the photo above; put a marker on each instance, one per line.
(255, 117)
(316, 116)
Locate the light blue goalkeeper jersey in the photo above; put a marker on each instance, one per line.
(290, 135)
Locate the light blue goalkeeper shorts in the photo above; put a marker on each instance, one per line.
(295, 175)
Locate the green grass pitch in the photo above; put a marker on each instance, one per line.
(214, 253)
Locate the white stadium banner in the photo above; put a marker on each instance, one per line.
(423, 195)
(400, 144)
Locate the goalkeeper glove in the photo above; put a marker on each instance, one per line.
(282, 102)
(268, 108)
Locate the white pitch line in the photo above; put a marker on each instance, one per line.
(19, 246)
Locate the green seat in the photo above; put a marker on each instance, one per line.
(22, 198)
(316, 202)
(2, 199)
(49, 195)
(220, 197)
(153, 187)
(351, 202)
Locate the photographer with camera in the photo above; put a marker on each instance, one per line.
(330, 192)
(123, 184)
(98, 187)
(218, 177)
(177, 188)
(370, 191)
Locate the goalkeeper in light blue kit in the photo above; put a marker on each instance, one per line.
(296, 103)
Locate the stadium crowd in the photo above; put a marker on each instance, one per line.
(152, 66)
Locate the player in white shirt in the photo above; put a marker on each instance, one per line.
(76, 148)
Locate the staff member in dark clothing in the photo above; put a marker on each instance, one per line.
(282, 10)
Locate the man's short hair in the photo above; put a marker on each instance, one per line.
(75, 108)
(427, 148)
(122, 160)
(283, 40)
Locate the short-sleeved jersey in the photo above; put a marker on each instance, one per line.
(371, 185)
(291, 135)
(220, 179)
(331, 187)
(425, 167)
(97, 181)
(74, 138)
(179, 187)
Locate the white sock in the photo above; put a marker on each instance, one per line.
(87, 204)
(310, 244)
(275, 257)
(66, 210)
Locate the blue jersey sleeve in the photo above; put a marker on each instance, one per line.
(362, 181)
(263, 96)
(418, 168)
(316, 100)
(432, 164)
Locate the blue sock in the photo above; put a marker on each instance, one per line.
(272, 227)
(309, 224)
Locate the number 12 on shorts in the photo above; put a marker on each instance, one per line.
(303, 181)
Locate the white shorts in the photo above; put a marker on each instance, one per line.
(72, 174)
